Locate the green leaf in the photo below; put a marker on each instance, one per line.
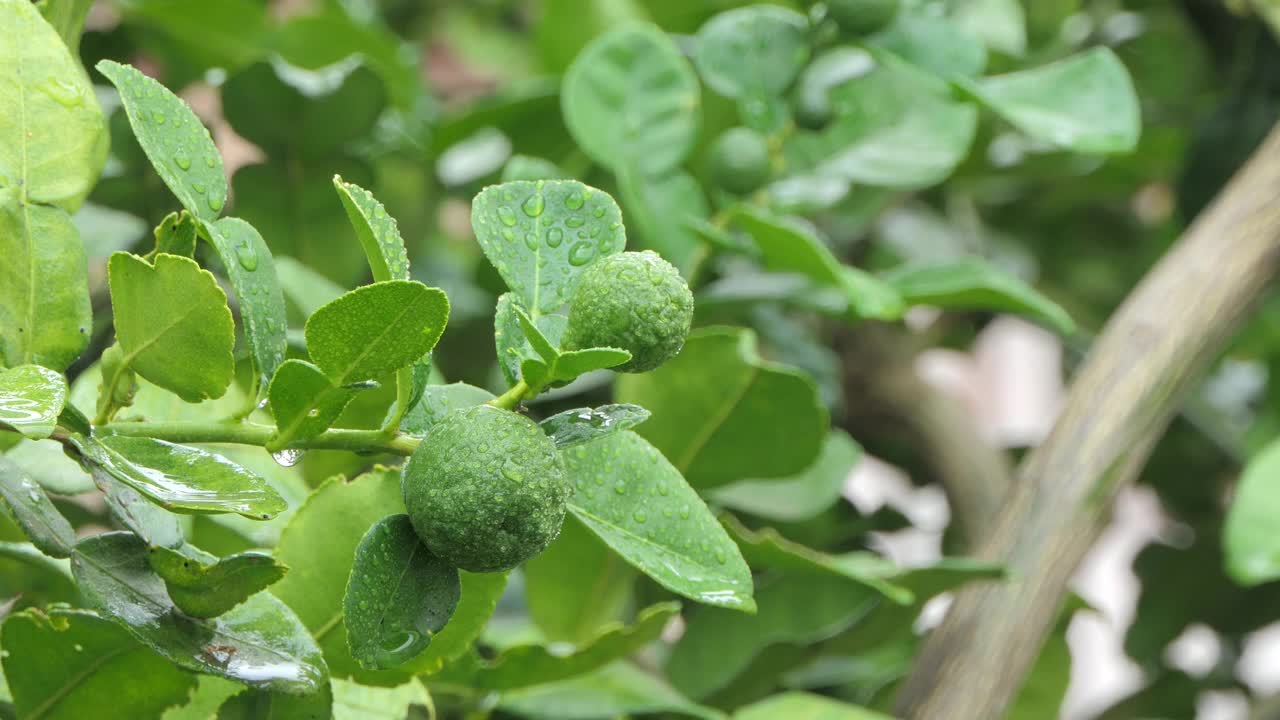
(805, 706)
(786, 246)
(66, 17)
(361, 702)
(630, 496)
(398, 597)
(527, 167)
(53, 140)
(753, 52)
(268, 705)
(582, 425)
(570, 365)
(31, 398)
(1042, 692)
(47, 529)
(173, 323)
(304, 402)
(64, 664)
(259, 643)
(631, 101)
(892, 128)
(45, 315)
(206, 589)
(803, 495)
(1084, 103)
(541, 235)
(511, 340)
(307, 289)
(376, 329)
(554, 583)
(933, 43)
(717, 408)
(795, 609)
(974, 284)
(615, 690)
(173, 138)
(1000, 24)
(1249, 540)
(535, 337)
(182, 478)
(137, 513)
(526, 665)
(377, 231)
(439, 400)
(176, 235)
(210, 693)
(45, 462)
(665, 208)
(252, 271)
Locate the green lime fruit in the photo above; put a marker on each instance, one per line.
(740, 160)
(635, 301)
(486, 489)
(862, 17)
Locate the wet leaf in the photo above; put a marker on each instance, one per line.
(269, 705)
(248, 263)
(178, 145)
(260, 643)
(304, 402)
(631, 101)
(173, 324)
(46, 463)
(64, 664)
(31, 397)
(1084, 103)
(182, 478)
(717, 408)
(510, 337)
(974, 284)
(376, 230)
(376, 329)
(137, 513)
(620, 689)
(361, 702)
(582, 425)
(801, 496)
(554, 582)
(209, 587)
(627, 493)
(541, 235)
(27, 502)
(398, 597)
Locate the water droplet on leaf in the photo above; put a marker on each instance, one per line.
(507, 216)
(533, 205)
(555, 236)
(287, 457)
(581, 253)
(182, 161)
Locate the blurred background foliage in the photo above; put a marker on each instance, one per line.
(424, 103)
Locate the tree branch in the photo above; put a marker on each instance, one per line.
(1151, 352)
(879, 368)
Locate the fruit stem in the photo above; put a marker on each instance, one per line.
(258, 434)
(509, 399)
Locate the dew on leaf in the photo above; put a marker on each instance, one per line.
(215, 203)
(533, 205)
(581, 253)
(555, 236)
(574, 200)
(507, 216)
(573, 221)
(182, 161)
(531, 241)
(639, 516)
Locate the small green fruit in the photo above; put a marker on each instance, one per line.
(740, 160)
(486, 489)
(862, 17)
(812, 106)
(635, 301)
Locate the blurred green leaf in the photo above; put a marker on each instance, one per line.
(361, 702)
(934, 43)
(1000, 24)
(398, 597)
(974, 284)
(45, 462)
(805, 706)
(260, 643)
(47, 529)
(753, 54)
(64, 664)
(635, 501)
(631, 101)
(1249, 540)
(663, 209)
(254, 704)
(717, 406)
(803, 495)
(614, 690)
(554, 583)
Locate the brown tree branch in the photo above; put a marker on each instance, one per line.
(1153, 349)
(879, 370)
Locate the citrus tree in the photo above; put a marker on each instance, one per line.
(322, 395)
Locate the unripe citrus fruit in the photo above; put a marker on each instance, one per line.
(862, 17)
(740, 160)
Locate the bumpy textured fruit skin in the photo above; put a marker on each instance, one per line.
(486, 489)
(862, 17)
(740, 160)
(635, 301)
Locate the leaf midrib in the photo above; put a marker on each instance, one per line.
(61, 693)
(374, 343)
(578, 509)
(701, 440)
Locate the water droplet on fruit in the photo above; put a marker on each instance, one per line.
(581, 253)
(287, 457)
(533, 205)
(182, 161)
(574, 200)
(507, 216)
(555, 236)
(511, 471)
(246, 255)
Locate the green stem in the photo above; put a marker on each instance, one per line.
(509, 399)
(256, 434)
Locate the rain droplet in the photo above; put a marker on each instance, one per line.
(684, 512)
(574, 222)
(721, 557)
(200, 187)
(555, 236)
(533, 205)
(598, 212)
(158, 117)
(246, 255)
(507, 216)
(620, 488)
(574, 200)
(581, 253)
(531, 241)
(210, 161)
(508, 235)
(400, 647)
(182, 161)
(663, 491)
(215, 203)
(512, 471)
(639, 516)
(287, 457)
(64, 93)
